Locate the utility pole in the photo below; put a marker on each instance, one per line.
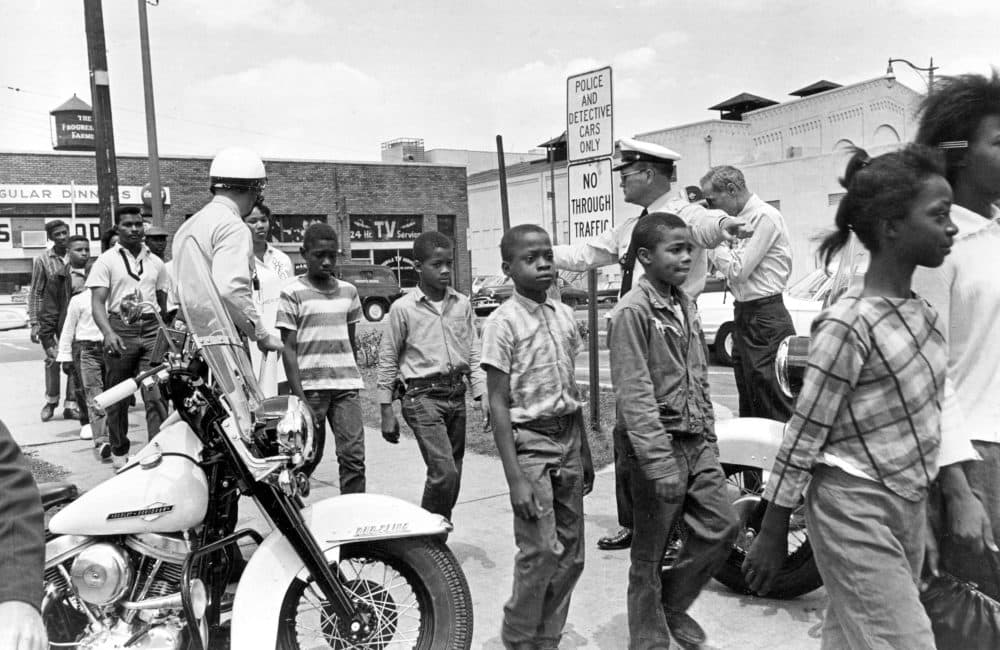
(147, 87)
(100, 92)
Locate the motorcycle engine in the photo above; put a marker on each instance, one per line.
(105, 596)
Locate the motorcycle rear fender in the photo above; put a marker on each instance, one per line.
(346, 519)
(753, 442)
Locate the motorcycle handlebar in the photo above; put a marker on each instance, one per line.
(123, 389)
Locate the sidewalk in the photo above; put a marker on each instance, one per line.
(482, 540)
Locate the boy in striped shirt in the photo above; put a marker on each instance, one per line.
(317, 316)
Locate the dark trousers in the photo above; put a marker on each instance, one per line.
(759, 327)
(52, 384)
(139, 339)
(342, 409)
(550, 550)
(623, 483)
(712, 528)
(438, 423)
(88, 359)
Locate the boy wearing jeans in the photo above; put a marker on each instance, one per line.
(430, 344)
(660, 377)
(530, 345)
(317, 316)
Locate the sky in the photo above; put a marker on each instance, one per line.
(332, 79)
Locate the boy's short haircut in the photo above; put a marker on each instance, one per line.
(425, 245)
(651, 229)
(52, 226)
(75, 238)
(512, 238)
(317, 232)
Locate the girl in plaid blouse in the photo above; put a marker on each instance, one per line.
(863, 442)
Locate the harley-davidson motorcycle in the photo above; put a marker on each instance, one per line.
(152, 559)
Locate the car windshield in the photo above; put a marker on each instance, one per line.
(811, 286)
(851, 266)
(215, 335)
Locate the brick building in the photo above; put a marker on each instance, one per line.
(377, 208)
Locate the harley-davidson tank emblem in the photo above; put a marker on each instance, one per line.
(151, 512)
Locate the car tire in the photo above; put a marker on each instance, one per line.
(724, 341)
(375, 310)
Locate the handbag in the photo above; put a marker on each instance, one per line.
(962, 616)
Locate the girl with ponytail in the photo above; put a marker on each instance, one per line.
(863, 442)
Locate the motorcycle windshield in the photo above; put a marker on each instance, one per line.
(215, 334)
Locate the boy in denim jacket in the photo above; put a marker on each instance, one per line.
(660, 376)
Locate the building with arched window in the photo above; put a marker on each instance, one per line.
(792, 154)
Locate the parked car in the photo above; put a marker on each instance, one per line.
(12, 318)
(20, 297)
(489, 297)
(804, 300)
(377, 285)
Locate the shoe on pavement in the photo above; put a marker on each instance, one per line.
(47, 411)
(86, 433)
(119, 462)
(70, 412)
(621, 539)
(103, 450)
(685, 629)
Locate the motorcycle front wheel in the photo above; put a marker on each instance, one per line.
(799, 574)
(414, 588)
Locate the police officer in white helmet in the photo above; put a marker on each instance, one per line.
(237, 181)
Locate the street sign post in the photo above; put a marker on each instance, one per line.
(590, 143)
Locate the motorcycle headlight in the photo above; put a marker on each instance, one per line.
(790, 362)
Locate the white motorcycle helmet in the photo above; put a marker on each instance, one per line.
(237, 168)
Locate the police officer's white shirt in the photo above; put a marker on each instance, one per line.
(610, 246)
(228, 248)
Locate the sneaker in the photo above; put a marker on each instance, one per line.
(86, 433)
(119, 462)
(47, 411)
(103, 450)
(70, 412)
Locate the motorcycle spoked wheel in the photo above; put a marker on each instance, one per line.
(414, 587)
(799, 575)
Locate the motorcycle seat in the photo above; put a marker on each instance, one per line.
(57, 493)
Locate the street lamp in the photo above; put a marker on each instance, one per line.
(929, 70)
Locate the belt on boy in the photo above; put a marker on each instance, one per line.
(550, 426)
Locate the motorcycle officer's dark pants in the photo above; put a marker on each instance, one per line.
(760, 326)
(712, 527)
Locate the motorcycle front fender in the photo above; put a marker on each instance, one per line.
(752, 442)
(347, 519)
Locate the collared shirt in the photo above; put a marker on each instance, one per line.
(660, 373)
(536, 345)
(278, 262)
(79, 326)
(123, 274)
(228, 248)
(704, 227)
(757, 267)
(871, 397)
(43, 268)
(320, 317)
(966, 292)
(421, 341)
(78, 278)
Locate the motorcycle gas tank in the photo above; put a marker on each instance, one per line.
(162, 490)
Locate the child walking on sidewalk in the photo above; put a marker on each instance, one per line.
(866, 433)
(317, 316)
(530, 345)
(430, 345)
(660, 376)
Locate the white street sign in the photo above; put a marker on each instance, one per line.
(591, 199)
(589, 115)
